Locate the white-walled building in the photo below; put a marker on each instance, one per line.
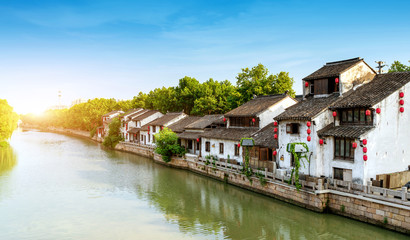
(137, 121)
(148, 130)
(106, 119)
(125, 119)
(338, 114)
(242, 122)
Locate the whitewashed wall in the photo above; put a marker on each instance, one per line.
(266, 117)
(359, 74)
(229, 149)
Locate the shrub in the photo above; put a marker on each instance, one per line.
(114, 136)
(167, 144)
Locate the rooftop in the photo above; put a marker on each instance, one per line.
(179, 126)
(112, 112)
(333, 69)
(145, 115)
(205, 121)
(349, 131)
(255, 106)
(233, 134)
(308, 108)
(166, 118)
(371, 93)
(264, 137)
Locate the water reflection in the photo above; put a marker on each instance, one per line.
(8, 159)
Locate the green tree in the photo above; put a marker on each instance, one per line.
(166, 142)
(399, 67)
(258, 81)
(139, 101)
(187, 91)
(114, 133)
(8, 122)
(162, 99)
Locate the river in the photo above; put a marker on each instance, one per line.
(54, 186)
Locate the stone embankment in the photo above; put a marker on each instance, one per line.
(394, 215)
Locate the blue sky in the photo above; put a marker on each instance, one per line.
(115, 49)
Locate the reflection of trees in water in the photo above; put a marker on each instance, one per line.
(201, 205)
(8, 159)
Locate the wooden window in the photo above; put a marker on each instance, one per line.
(356, 116)
(236, 150)
(189, 144)
(154, 128)
(338, 173)
(221, 148)
(207, 146)
(312, 88)
(292, 128)
(197, 146)
(321, 87)
(343, 148)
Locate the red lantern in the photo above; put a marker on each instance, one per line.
(364, 142)
(275, 130)
(365, 149)
(274, 153)
(378, 110)
(365, 158)
(334, 114)
(275, 136)
(253, 120)
(239, 145)
(402, 109)
(275, 124)
(197, 139)
(148, 128)
(401, 102)
(135, 135)
(309, 138)
(309, 131)
(224, 119)
(162, 128)
(321, 141)
(308, 124)
(354, 145)
(401, 94)
(306, 84)
(337, 80)
(368, 112)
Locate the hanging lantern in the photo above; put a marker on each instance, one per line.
(239, 145)
(197, 139)
(275, 124)
(275, 136)
(334, 113)
(148, 128)
(321, 141)
(337, 80)
(368, 112)
(401, 102)
(401, 94)
(364, 142)
(162, 128)
(365, 158)
(274, 153)
(224, 119)
(365, 149)
(308, 124)
(275, 130)
(253, 120)
(309, 138)
(354, 145)
(135, 135)
(378, 110)
(306, 84)
(309, 131)
(402, 109)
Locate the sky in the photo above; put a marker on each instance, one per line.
(115, 49)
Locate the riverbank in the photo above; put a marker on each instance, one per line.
(318, 197)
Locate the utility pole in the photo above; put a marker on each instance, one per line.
(380, 66)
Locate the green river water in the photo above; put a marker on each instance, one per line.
(54, 186)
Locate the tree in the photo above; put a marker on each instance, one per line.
(8, 122)
(257, 81)
(114, 133)
(399, 67)
(139, 101)
(187, 91)
(166, 142)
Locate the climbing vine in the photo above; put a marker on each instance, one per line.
(298, 155)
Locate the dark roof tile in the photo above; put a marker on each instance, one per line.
(233, 134)
(165, 119)
(264, 137)
(349, 131)
(333, 69)
(179, 126)
(205, 121)
(255, 106)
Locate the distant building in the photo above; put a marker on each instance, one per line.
(78, 101)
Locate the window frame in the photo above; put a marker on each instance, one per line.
(290, 128)
(221, 148)
(237, 150)
(207, 146)
(356, 116)
(346, 148)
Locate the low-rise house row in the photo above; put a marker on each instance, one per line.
(243, 122)
(106, 120)
(138, 121)
(352, 120)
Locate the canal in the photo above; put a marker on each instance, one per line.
(54, 186)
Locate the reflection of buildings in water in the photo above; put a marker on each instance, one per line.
(8, 159)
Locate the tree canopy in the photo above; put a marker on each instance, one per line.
(399, 67)
(8, 121)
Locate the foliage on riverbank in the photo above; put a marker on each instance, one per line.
(166, 142)
(190, 96)
(8, 122)
(114, 134)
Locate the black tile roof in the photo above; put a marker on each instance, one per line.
(371, 93)
(165, 119)
(190, 135)
(308, 108)
(205, 121)
(144, 115)
(233, 134)
(179, 126)
(264, 137)
(349, 131)
(255, 106)
(333, 69)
